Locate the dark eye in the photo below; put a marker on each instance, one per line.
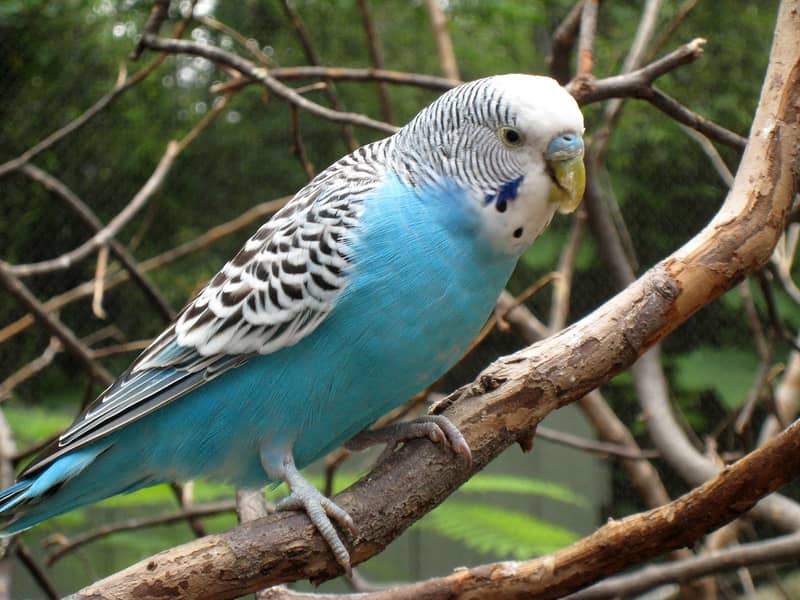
(510, 136)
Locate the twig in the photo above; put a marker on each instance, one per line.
(531, 290)
(711, 152)
(122, 85)
(429, 82)
(248, 44)
(586, 39)
(772, 310)
(246, 67)
(764, 376)
(633, 60)
(38, 574)
(638, 84)
(86, 214)
(298, 148)
(680, 113)
(604, 448)
(783, 549)
(29, 370)
(50, 322)
(753, 321)
(134, 346)
(676, 21)
(562, 286)
(312, 57)
(209, 237)
(157, 16)
(183, 494)
(99, 277)
(444, 45)
(563, 42)
(66, 259)
(108, 232)
(67, 545)
(377, 61)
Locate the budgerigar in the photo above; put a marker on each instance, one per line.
(361, 291)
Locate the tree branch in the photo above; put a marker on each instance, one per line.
(262, 76)
(88, 216)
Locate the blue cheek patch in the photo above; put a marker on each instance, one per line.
(508, 191)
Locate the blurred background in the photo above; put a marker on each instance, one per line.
(58, 58)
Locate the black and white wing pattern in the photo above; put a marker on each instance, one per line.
(280, 286)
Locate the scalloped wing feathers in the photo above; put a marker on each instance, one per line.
(280, 286)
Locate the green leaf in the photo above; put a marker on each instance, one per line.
(512, 484)
(496, 530)
(726, 371)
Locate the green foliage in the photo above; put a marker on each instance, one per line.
(729, 372)
(511, 484)
(502, 533)
(489, 529)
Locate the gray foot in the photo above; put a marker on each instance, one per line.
(436, 428)
(320, 511)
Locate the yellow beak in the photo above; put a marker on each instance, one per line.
(569, 182)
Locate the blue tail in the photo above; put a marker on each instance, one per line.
(31, 501)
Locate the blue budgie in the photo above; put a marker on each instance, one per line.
(361, 291)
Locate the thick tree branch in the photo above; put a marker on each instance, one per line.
(635, 538)
(783, 549)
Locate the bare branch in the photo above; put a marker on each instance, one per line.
(603, 448)
(311, 55)
(39, 575)
(377, 61)
(444, 45)
(50, 322)
(779, 550)
(562, 286)
(429, 82)
(211, 236)
(563, 42)
(586, 39)
(88, 216)
(109, 231)
(65, 545)
(122, 85)
(29, 370)
(262, 76)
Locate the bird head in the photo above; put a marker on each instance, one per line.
(514, 143)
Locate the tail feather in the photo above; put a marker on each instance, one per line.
(25, 503)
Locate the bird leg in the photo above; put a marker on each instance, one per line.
(320, 510)
(437, 428)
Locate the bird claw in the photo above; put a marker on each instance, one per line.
(437, 428)
(320, 511)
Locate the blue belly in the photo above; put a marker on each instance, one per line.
(422, 286)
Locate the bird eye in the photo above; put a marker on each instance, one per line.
(510, 136)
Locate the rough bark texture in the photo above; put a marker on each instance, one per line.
(512, 395)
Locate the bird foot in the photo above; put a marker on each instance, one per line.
(436, 428)
(320, 511)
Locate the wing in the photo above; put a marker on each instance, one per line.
(273, 293)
